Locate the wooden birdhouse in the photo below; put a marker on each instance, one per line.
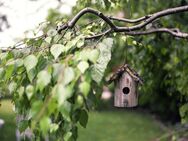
(126, 84)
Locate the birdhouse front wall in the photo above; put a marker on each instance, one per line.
(125, 91)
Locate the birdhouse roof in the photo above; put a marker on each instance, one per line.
(131, 72)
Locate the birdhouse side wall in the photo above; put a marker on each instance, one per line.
(125, 92)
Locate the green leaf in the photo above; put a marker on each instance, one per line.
(96, 74)
(80, 43)
(19, 62)
(23, 125)
(69, 45)
(67, 126)
(108, 42)
(82, 55)
(52, 106)
(35, 108)
(83, 118)
(45, 124)
(88, 54)
(29, 91)
(84, 88)
(105, 55)
(184, 113)
(53, 127)
(42, 62)
(20, 91)
(3, 55)
(79, 101)
(9, 71)
(94, 55)
(99, 68)
(48, 39)
(30, 62)
(68, 35)
(65, 110)
(62, 93)
(76, 42)
(52, 32)
(67, 136)
(83, 66)
(57, 69)
(69, 75)
(56, 50)
(2, 72)
(12, 87)
(43, 79)
(31, 74)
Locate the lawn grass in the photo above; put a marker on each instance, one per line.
(119, 125)
(7, 133)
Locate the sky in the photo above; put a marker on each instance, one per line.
(24, 15)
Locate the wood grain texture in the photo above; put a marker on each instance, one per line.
(126, 91)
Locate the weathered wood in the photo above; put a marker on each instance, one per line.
(125, 91)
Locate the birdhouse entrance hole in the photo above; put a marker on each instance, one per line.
(126, 90)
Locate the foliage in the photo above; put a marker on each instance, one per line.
(51, 82)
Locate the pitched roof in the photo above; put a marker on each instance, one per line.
(131, 72)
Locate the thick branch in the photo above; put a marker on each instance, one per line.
(130, 20)
(72, 23)
(154, 17)
(129, 30)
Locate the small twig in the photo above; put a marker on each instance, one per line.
(99, 40)
(174, 32)
(20, 43)
(63, 35)
(93, 21)
(99, 35)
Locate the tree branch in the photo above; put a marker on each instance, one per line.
(72, 23)
(131, 30)
(154, 17)
(174, 32)
(99, 35)
(130, 20)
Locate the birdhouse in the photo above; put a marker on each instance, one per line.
(126, 84)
